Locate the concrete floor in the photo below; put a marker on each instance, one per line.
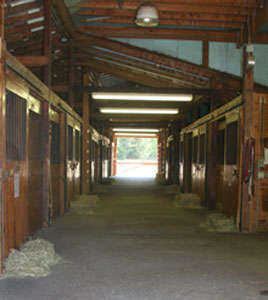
(139, 246)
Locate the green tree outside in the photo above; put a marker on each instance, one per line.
(137, 148)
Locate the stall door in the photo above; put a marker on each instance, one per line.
(35, 179)
(77, 163)
(70, 165)
(227, 169)
(15, 173)
(230, 201)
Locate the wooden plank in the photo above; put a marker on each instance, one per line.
(133, 5)
(170, 15)
(33, 61)
(205, 59)
(46, 165)
(159, 33)
(86, 157)
(174, 22)
(47, 41)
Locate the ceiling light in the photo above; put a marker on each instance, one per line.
(147, 15)
(139, 111)
(141, 97)
(134, 130)
(135, 134)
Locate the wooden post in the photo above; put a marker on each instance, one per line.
(63, 162)
(115, 157)
(211, 159)
(71, 76)
(246, 132)
(176, 127)
(2, 125)
(205, 54)
(86, 157)
(46, 166)
(47, 42)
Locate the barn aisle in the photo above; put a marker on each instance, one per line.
(138, 245)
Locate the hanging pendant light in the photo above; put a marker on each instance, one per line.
(147, 15)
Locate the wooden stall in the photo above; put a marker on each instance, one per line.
(215, 163)
(33, 157)
(105, 155)
(73, 158)
(95, 139)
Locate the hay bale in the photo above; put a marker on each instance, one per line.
(84, 205)
(34, 258)
(172, 189)
(218, 222)
(188, 200)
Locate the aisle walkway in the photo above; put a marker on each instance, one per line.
(138, 246)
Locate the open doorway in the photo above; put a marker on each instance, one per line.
(136, 157)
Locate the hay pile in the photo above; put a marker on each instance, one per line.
(84, 205)
(217, 222)
(189, 200)
(34, 258)
(172, 189)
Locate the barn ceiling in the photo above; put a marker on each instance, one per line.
(81, 33)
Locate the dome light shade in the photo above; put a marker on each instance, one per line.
(147, 15)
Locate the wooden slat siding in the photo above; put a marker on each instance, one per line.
(259, 209)
(46, 166)
(63, 162)
(211, 159)
(86, 163)
(35, 179)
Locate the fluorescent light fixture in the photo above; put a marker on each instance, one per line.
(153, 111)
(134, 130)
(33, 10)
(141, 97)
(135, 134)
(17, 3)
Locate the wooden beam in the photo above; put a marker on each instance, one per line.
(159, 33)
(181, 78)
(133, 5)
(169, 15)
(174, 22)
(71, 76)
(244, 208)
(47, 42)
(33, 61)
(60, 88)
(143, 90)
(86, 157)
(64, 16)
(205, 54)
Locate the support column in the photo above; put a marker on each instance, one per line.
(246, 132)
(115, 157)
(46, 165)
(47, 42)
(205, 53)
(71, 76)
(86, 159)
